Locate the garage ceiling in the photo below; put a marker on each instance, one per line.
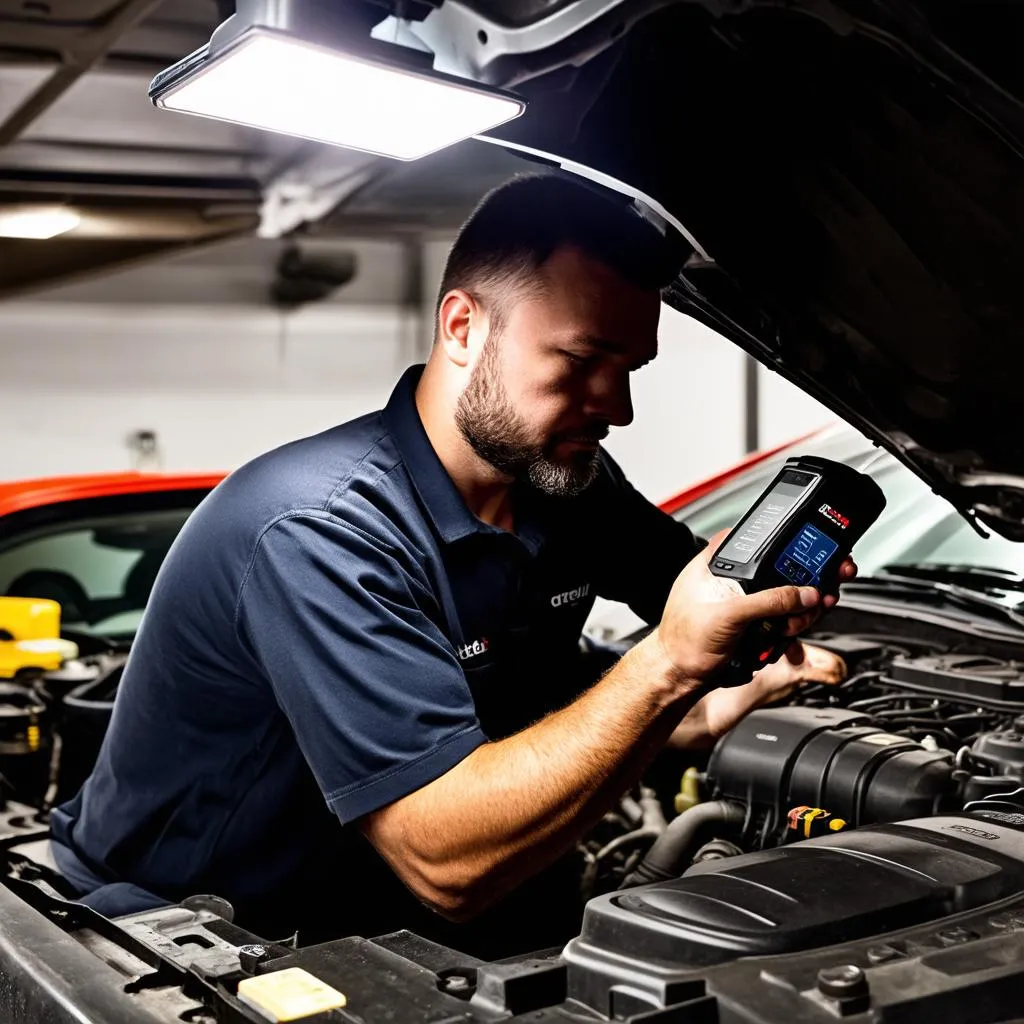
(77, 128)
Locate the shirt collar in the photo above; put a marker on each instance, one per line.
(436, 489)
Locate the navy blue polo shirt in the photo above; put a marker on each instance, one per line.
(333, 628)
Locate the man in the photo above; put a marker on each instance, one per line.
(383, 620)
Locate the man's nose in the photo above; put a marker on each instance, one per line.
(609, 399)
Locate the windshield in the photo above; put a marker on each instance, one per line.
(917, 526)
(100, 570)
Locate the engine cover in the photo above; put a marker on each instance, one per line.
(809, 896)
(781, 758)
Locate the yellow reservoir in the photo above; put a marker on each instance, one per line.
(30, 636)
(30, 618)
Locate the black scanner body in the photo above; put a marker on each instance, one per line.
(799, 531)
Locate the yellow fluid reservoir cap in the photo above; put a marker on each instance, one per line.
(689, 790)
(30, 618)
(290, 994)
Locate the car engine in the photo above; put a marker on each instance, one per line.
(919, 727)
(856, 852)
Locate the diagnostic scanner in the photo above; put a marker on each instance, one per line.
(799, 531)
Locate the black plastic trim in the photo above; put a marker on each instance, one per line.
(46, 977)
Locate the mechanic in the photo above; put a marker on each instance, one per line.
(384, 620)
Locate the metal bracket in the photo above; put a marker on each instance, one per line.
(468, 44)
(308, 191)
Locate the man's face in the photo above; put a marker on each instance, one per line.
(545, 389)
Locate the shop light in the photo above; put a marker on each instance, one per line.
(37, 222)
(260, 70)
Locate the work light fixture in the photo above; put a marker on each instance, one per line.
(297, 67)
(39, 222)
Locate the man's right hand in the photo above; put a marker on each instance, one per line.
(705, 615)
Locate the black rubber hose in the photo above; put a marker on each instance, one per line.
(675, 846)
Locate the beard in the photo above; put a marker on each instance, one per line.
(488, 420)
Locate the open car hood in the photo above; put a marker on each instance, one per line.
(850, 177)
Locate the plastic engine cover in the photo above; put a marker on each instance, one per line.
(806, 896)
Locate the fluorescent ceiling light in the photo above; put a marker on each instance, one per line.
(284, 84)
(38, 222)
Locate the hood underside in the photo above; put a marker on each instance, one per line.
(853, 172)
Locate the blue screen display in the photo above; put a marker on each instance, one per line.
(805, 556)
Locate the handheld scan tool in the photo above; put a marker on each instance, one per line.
(799, 531)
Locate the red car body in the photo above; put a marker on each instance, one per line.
(707, 485)
(17, 496)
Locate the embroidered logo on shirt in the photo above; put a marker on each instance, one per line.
(570, 596)
(471, 650)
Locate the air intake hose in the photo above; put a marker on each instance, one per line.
(674, 848)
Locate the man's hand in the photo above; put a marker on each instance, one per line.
(802, 663)
(718, 711)
(706, 614)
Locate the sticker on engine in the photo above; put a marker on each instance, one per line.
(1009, 818)
(882, 739)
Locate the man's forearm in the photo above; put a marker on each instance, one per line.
(720, 709)
(513, 806)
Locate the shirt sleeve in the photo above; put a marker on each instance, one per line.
(347, 637)
(643, 549)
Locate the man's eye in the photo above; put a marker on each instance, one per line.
(575, 358)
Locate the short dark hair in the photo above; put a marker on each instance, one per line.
(517, 226)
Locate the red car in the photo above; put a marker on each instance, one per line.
(94, 543)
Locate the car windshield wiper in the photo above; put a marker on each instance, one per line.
(937, 591)
(974, 577)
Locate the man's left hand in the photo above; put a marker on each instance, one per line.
(718, 711)
(802, 663)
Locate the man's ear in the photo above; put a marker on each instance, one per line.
(455, 318)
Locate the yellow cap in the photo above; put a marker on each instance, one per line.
(30, 618)
(689, 791)
(289, 995)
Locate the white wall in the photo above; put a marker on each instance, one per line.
(217, 384)
(785, 411)
(191, 348)
(688, 410)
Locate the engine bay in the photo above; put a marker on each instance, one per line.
(856, 851)
(923, 724)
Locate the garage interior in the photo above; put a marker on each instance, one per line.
(227, 290)
(416, 720)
